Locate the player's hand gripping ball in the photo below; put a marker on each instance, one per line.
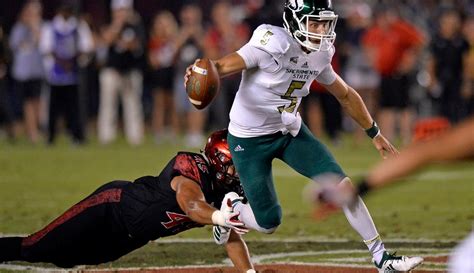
(203, 83)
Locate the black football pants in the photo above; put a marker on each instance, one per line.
(90, 232)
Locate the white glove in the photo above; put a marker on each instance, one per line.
(230, 220)
(292, 122)
(220, 234)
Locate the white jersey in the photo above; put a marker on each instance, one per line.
(278, 75)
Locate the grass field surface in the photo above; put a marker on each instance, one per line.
(436, 205)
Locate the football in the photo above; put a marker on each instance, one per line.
(203, 83)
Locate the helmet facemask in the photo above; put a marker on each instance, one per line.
(298, 25)
(227, 178)
(218, 155)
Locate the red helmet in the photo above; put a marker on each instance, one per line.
(218, 154)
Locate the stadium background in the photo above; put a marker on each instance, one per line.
(427, 216)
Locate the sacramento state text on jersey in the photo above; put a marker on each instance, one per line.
(300, 74)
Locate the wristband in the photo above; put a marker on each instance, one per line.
(251, 271)
(363, 188)
(218, 218)
(373, 131)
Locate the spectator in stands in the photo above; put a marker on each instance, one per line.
(189, 46)
(224, 37)
(264, 12)
(122, 75)
(62, 42)
(448, 53)
(89, 86)
(28, 65)
(5, 111)
(392, 45)
(468, 88)
(161, 57)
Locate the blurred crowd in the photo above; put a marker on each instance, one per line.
(90, 77)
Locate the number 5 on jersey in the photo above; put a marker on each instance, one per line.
(294, 85)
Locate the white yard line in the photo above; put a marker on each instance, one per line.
(28, 268)
(283, 240)
(257, 259)
(427, 175)
(351, 266)
(303, 240)
(83, 268)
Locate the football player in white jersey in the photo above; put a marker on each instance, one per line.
(278, 65)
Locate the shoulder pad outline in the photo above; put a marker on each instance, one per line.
(271, 39)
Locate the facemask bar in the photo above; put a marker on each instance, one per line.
(230, 178)
(223, 171)
(326, 40)
(228, 181)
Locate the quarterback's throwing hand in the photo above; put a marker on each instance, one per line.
(384, 146)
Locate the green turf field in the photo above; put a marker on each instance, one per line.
(38, 183)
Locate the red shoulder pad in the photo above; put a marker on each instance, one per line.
(186, 166)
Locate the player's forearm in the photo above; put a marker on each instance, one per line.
(230, 64)
(389, 170)
(200, 212)
(192, 201)
(453, 145)
(238, 252)
(456, 144)
(355, 107)
(394, 168)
